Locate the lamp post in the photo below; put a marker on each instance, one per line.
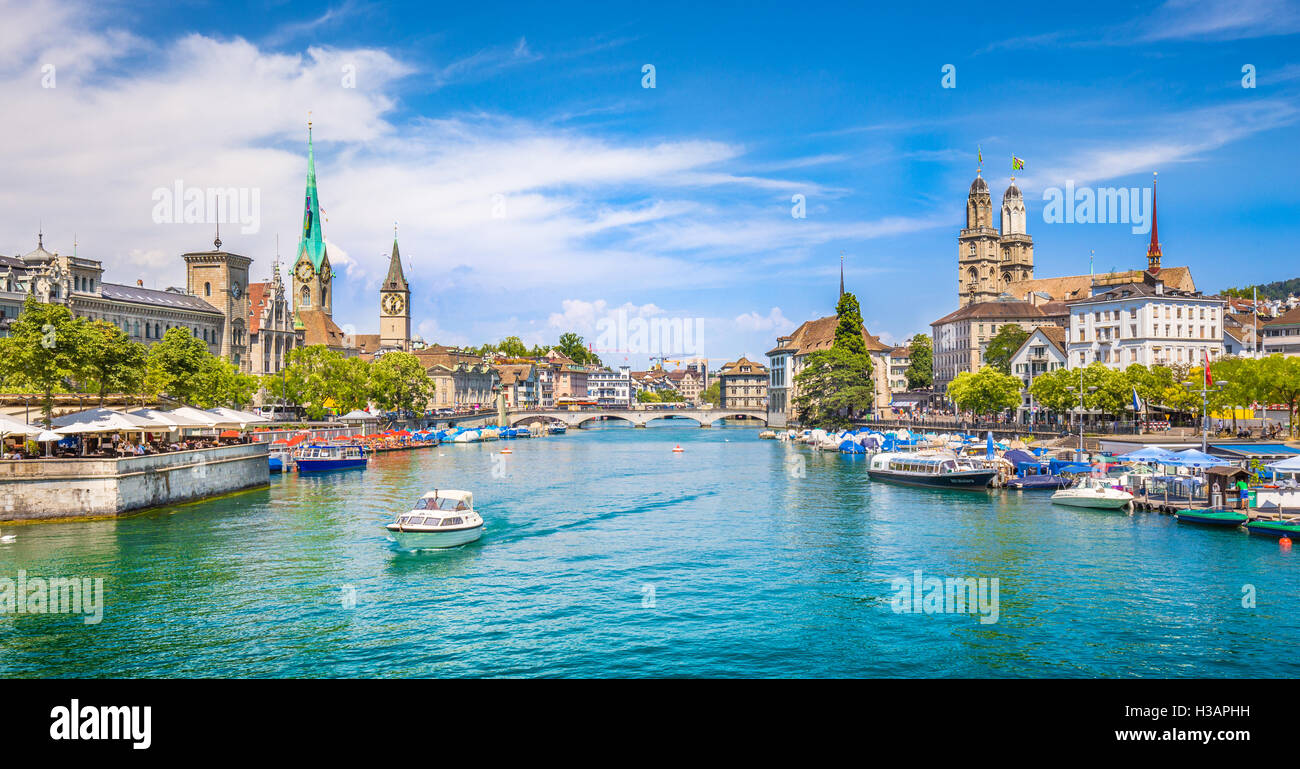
(1205, 407)
(1081, 391)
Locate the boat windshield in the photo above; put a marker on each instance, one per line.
(440, 503)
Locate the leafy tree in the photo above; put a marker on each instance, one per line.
(314, 374)
(647, 396)
(512, 347)
(1003, 345)
(111, 360)
(920, 367)
(573, 347)
(987, 391)
(712, 393)
(179, 365)
(44, 350)
(1280, 378)
(835, 383)
(398, 381)
(670, 396)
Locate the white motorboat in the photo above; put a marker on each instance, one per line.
(441, 518)
(1088, 491)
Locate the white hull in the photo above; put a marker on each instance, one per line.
(430, 540)
(1090, 498)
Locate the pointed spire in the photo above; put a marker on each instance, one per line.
(396, 279)
(312, 241)
(1153, 250)
(216, 242)
(841, 274)
(40, 235)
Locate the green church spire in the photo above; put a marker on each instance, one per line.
(312, 241)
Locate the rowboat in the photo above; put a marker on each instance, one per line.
(1212, 517)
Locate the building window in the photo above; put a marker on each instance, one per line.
(306, 296)
(207, 289)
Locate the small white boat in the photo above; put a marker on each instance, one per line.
(440, 518)
(1093, 492)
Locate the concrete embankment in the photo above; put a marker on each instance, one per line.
(51, 489)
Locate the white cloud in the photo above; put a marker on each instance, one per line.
(752, 321)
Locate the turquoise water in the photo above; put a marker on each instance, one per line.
(607, 555)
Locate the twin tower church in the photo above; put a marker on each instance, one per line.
(313, 287)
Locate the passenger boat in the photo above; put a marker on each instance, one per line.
(1279, 529)
(1212, 517)
(321, 459)
(938, 471)
(558, 429)
(1093, 492)
(441, 518)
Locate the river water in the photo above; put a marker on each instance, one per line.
(608, 555)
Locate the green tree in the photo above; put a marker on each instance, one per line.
(647, 396)
(180, 366)
(573, 347)
(399, 382)
(712, 393)
(314, 375)
(45, 349)
(987, 391)
(920, 367)
(837, 382)
(1003, 345)
(111, 361)
(1281, 377)
(512, 347)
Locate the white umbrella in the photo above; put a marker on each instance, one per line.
(1291, 465)
(114, 420)
(9, 426)
(242, 417)
(170, 418)
(207, 418)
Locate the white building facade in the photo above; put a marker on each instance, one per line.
(1145, 323)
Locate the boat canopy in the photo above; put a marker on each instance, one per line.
(440, 497)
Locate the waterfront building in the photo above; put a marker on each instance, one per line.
(961, 337)
(690, 382)
(742, 384)
(900, 358)
(395, 305)
(461, 385)
(611, 389)
(220, 278)
(568, 378)
(990, 260)
(1282, 335)
(519, 384)
(654, 381)
(271, 332)
(1147, 323)
(1042, 352)
(143, 314)
(790, 355)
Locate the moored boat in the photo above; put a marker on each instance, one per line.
(938, 471)
(321, 459)
(441, 518)
(1212, 517)
(280, 460)
(1096, 493)
(1275, 528)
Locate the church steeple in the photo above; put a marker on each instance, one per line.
(313, 277)
(1153, 250)
(395, 303)
(396, 280)
(312, 242)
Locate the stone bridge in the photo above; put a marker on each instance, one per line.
(638, 417)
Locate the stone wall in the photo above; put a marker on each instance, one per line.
(35, 489)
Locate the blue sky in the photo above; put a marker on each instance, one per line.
(673, 201)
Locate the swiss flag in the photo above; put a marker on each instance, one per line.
(1209, 380)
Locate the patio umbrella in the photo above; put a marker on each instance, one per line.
(1291, 465)
(9, 426)
(110, 420)
(1195, 458)
(1151, 454)
(170, 418)
(49, 438)
(988, 447)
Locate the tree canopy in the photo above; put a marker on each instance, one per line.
(1003, 345)
(837, 382)
(920, 366)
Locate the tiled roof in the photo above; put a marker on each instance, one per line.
(813, 335)
(1080, 286)
(512, 373)
(998, 310)
(733, 368)
(320, 328)
(1054, 334)
(1289, 318)
(257, 296)
(156, 298)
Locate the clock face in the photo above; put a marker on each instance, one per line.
(235, 290)
(393, 304)
(303, 272)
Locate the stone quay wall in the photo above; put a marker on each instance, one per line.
(49, 489)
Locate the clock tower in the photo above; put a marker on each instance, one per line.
(395, 305)
(220, 278)
(312, 275)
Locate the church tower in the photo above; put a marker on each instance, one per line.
(220, 278)
(1016, 244)
(312, 274)
(978, 251)
(395, 304)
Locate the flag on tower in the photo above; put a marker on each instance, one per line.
(1017, 164)
(979, 153)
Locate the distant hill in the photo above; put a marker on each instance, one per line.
(1278, 289)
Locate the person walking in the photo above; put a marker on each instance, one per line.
(1243, 492)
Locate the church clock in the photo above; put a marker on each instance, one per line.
(394, 304)
(303, 272)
